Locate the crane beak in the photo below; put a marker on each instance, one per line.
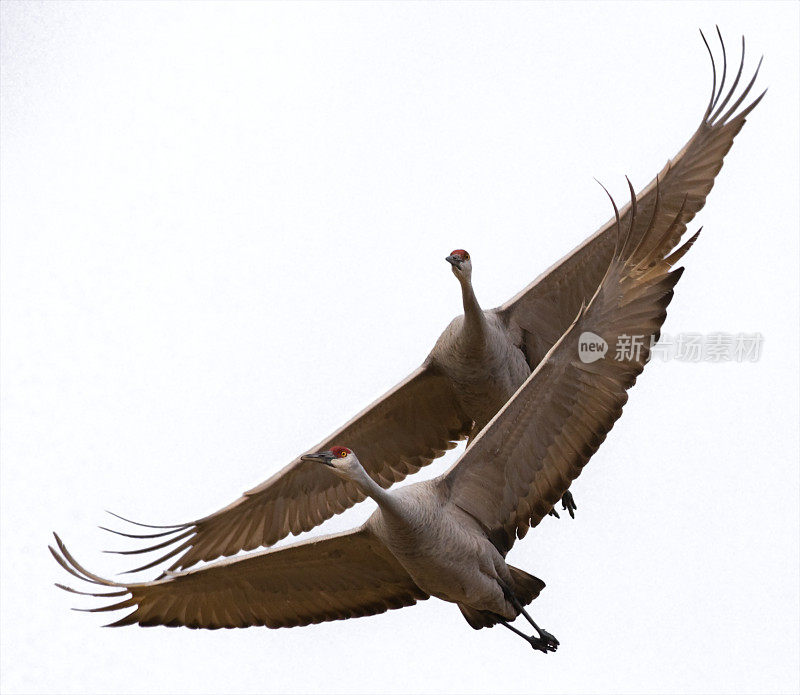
(320, 457)
(455, 261)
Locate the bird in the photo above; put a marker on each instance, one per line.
(476, 365)
(446, 537)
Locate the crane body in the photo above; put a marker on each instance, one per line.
(512, 380)
(447, 537)
(476, 365)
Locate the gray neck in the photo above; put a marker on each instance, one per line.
(385, 499)
(474, 318)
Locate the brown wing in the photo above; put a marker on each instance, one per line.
(527, 456)
(331, 578)
(411, 425)
(546, 307)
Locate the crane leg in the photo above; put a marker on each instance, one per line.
(544, 636)
(539, 643)
(568, 503)
(545, 642)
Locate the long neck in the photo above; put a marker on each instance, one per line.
(385, 499)
(474, 318)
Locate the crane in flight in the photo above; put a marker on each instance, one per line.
(476, 365)
(447, 537)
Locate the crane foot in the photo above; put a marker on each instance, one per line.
(568, 503)
(544, 643)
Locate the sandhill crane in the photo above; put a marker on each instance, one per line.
(446, 537)
(464, 380)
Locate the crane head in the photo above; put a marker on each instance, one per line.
(462, 265)
(339, 458)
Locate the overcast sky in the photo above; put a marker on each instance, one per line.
(223, 233)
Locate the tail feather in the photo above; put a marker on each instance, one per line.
(526, 589)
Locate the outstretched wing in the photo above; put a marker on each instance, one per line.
(415, 422)
(526, 457)
(546, 307)
(331, 578)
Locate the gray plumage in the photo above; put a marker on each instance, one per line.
(476, 365)
(446, 537)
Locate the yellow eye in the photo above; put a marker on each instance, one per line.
(343, 454)
(466, 256)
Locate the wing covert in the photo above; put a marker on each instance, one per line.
(407, 428)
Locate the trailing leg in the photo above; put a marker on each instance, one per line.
(544, 635)
(537, 643)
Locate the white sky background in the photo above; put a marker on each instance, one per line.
(223, 233)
